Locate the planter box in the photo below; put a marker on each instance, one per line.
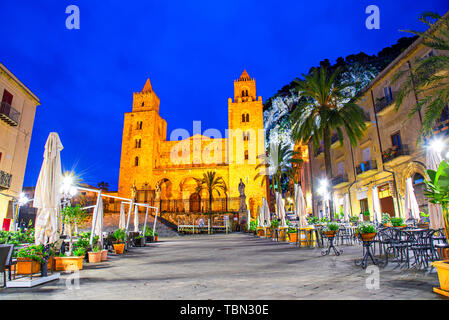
(260, 232)
(119, 248)
(138, 242)
(443, 275)
(68, 263)
(293, 237)
(104, 255)
(26, 266)
(94, 257)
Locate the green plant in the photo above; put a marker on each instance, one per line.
(292, 230)
(332, 226)
(253, 226)
(424, 217)
(96, 248)
(386, 218)
(120, 235)
(324, 220)
(149, 232)
(78, 252)
(437, 190)
(72, 216)
(32, 252)
(274, 223)
(313, 220)
(366, 213)
(354, 219)
(366, 227)
(397, 221)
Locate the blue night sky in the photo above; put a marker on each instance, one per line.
(191, 50)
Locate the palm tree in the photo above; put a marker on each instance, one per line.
(210, 182)
(276, 164)
(428, 74)
(103, 185)
(326, 107)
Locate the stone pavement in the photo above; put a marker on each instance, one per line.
(234, 266)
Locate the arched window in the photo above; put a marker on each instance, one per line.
(243, 118)
(139, 125)
(138, 143)
(243, 93)
(143, 104)
(247, 117)
(136, 162)
(418, 178)
(246, 92)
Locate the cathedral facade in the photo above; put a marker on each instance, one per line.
(165, 173)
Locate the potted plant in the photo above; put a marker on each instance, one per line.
(397, 222)
(331, 229)
(120, 236)
(424, 222)
(354, 220)
(366, 215)
(292, 234)
(95, 254)
(367, 231)
(138, 241)
(386, 220)
(29, 260)
(73, 259)
(437, 191)
(311, 220)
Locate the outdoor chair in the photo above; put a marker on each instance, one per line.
(345, 234)
(399, 246)
(4, 254)
(423, 249)
(10, 262)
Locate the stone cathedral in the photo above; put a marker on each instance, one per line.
(164, 172)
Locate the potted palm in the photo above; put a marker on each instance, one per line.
(437, 191)
(71, 216)
(367, 231)
(120, 236)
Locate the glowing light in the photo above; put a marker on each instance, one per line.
(437, 145)
(23, 200)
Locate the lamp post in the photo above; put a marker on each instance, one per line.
(324, 192)
(68, 191)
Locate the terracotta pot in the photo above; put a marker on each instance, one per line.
(368, 236)
(119, 248)
(330, 234)
(293, 237)
(94, 257)
(443, 276)
(27, 266)
(156, 238)
(424, 225)
(68, 263)
(260, 233)
(104, 255)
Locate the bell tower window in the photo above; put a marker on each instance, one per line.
(136, 161)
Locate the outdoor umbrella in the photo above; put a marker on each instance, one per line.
(136, 219)
(261, 222)
(346, 207)
(411, 205)
(300, 205)
(249, 219)
(122, 220)
(433, 160)
(98, 212)
(48, 193)
(280, 209)
(377, 216)
(266, 210)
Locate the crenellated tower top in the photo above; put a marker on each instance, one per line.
(245, 88)
(146, 100)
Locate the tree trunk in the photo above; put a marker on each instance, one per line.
(328, 165)
(210, 212)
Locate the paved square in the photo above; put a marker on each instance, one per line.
(235, 266)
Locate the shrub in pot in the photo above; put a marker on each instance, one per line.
(386, 219)
(331, 229)
(292, 234)
(95, 254)
(29, 260)
(120, 236)
(367, 231)
(397, 222)
(424, 221)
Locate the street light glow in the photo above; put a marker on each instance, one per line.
(437, 145)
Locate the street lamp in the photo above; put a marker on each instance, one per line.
(323, 191)
(437, 145)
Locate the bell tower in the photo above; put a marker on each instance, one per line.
(246, 140)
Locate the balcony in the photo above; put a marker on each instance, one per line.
(385, 102)
(340, 179)
(5, 180)
(395, 152)
(366, 166)
(9, 114)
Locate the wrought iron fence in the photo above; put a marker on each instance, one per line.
(5, 180)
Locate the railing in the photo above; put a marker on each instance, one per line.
(9, 114)
(339, 179)
(394, 152)
(5, 180)
(366, 166)
(384, 102)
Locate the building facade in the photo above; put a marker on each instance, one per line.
(388, 154)
(17, 111)
(164, 172)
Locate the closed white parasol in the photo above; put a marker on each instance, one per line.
(48, 193)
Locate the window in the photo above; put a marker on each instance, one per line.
(246, 155)
(139, 125)
(138, 143)
(136, 161)
(366, 155)
(396, 140)
(243, 93)
(247, 117)
(246, 93)
(418, 178)
(0, 157)
(388, 93)
(143, 104)
(341, 168)
(245, 136)
(7, 97)
(243, 118)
